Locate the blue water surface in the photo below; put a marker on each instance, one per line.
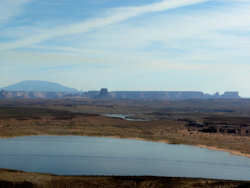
(76, 155)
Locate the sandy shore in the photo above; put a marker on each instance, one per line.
(232, 152)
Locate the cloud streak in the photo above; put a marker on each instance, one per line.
(113, 16)
(196, 47)
(10, 9)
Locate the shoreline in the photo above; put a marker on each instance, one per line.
(22, 179)
(214, 148)
(232, 152)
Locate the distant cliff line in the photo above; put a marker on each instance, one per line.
(134, 95)
(103, 93)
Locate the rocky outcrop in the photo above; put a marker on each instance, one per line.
(31, 95)
(239, 126)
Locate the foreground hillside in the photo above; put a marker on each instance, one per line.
(19, 179)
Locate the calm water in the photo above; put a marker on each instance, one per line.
(74, 155)
(123, 116)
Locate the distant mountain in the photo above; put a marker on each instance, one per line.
(39, 86)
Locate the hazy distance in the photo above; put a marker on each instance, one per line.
(194, 45)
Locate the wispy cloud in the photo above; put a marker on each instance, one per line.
(112, 16)
(9, 9)
(195, 47)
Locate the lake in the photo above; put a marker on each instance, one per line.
(75, 155)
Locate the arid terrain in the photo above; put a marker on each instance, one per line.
(215, 124)
(222, 125)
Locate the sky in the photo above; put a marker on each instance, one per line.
(169, 45)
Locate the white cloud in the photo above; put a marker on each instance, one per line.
(213, 45)
(113, 16)
(211, 34)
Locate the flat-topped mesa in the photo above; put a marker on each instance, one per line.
(160, 95)
(134, 95)
(157, 94)
(1, 94)
(231, 94)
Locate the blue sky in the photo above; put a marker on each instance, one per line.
(199, 45)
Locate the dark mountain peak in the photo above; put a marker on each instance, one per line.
(39, 86)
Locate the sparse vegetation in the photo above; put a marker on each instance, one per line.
(32, 117)
(168, 123)
(19, 179)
